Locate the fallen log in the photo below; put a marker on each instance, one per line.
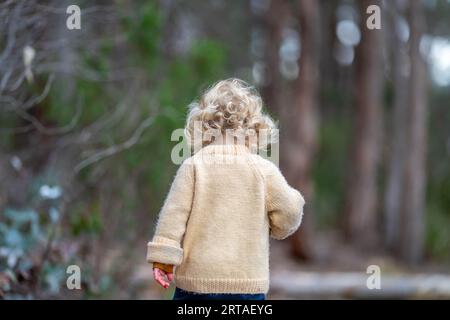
(353, 285)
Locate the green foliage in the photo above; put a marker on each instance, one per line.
(54, 276)
(204, 64)
(438, 177)
(438, 218)
(333, 96)
(21, 232)
(208, 57)
(438, 237)
(144, 31)
(329, 170)
(89, 223)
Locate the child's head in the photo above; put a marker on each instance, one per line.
(229, 108)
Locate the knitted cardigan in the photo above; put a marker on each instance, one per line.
(215, 224)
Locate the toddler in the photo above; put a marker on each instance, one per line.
(224, 203)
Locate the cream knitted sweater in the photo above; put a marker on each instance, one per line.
(215, 223)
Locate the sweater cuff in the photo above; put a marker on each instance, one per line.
(165, 253)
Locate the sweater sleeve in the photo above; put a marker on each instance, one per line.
(165, 246)
(284, 205)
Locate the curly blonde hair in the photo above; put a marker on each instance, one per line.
(229, 106)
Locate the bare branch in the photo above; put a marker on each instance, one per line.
(50, 131)
(102, 154)
(15, 105)
(11, 33)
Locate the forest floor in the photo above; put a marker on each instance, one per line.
(338, 272)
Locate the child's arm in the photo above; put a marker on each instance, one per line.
(165, 247)
(284, 205)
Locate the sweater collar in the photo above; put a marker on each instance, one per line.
(225, 149)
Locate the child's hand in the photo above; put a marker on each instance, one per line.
(160, 277)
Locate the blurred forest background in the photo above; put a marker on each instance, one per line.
(86, 118)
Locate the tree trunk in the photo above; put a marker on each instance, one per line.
(412, 219)
(302, 130)
(361, 195)
(396, 157)
(275, 20)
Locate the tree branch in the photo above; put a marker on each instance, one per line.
(102, 154)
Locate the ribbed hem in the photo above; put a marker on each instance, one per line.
(204, 285)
